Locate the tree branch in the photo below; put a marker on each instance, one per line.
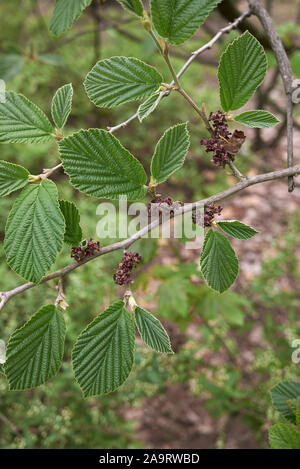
(124, 244)
(286, 74)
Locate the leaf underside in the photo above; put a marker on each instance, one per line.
(152, 331)
(73, 233)
(61, 105)
(65, 13)
(12, 177)
(148, 106)
(237, 229)
(257, 119)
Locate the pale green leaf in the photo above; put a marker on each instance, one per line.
(118, 80)
(21, 121)
(284, 436)
(34, 352)
(61, 105)
(133, 6)
(65, 12)
(178, 20)
(104, 352)
(12, 177)
(257, 119)
(242, 69)
(73, 233)
(148, 106)
(34, 231)
(100, 166)
(10, 66)
(237, 229)
(281, 394)
(152, 331)
(219, 264)
(170, 153)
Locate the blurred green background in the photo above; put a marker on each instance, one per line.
(230, 349)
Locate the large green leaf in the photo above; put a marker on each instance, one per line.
(10, 66)
(61, 105)
(148, 106)
(237, 229)
(283, 392)
(152, 331)
(21, 121)
(100, 166)
(104, 352)
(73, 233)
(257, 119)
(121, 79)
(242, 69)
(34, 231)
(170, 153)
(133, 6)
(284, 436)
(177, 20)
(12, 177)
(34, 352)
(65, 12)
(219, 263)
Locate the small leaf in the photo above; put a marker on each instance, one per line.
(118, 80)
(104, 352)
(237, 229)
(148, 106)
(61, 105)
(242, 69)
(100, 166)
(73, 233)
(170, 153)
(152, 331)
(10, 66)
(34, 231)
(21, 121)
(65, 12)
(257, 119)
(133, 6)
(34, 352)
(12, 177)
(177, 20)
(283, 392)
(284, 436)
(219, 263)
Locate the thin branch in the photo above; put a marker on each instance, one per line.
(294, 171)
(190, 60)
(285, 71)
(236, 171)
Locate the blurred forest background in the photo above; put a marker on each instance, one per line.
(230, 349)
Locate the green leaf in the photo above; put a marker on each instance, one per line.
(284, 436)
(170, 153)
(65, 12)
(61, 105)
(10, 66)
(34, 231)
(100, 166)
(237, 229)
(177, 20)
(152, 331)
(219, 264)
(118, 80)
(257, 119)
(133, 6)
(283, 392)
(104, 352)
(21, 121)
(242, 69)
(34, 352)
(12, 177)
(73, 233)
(148, 106)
